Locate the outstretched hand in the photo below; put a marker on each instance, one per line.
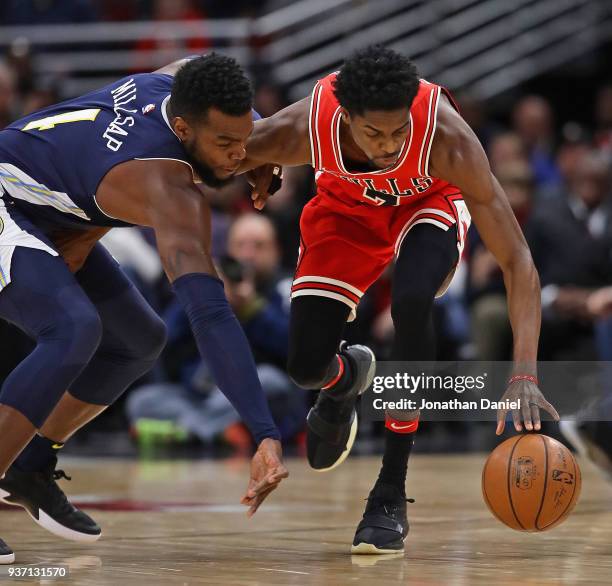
(267, 471)
(265, 180)
(531, 401)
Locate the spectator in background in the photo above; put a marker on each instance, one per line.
(490, 325)
(159, 50)
(474, 112)
(571, 242)
(259, 297)
(269, 99)
(505, 148)
(603, 118)
(569, 156)
(27, 12)
(533, 121)
(8, 95)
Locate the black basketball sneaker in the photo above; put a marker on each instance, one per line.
(384, 526)
(332, 422)
(42, 498)
(6, 553)
(592, 440)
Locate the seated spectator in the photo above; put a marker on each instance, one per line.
(28, 12)
(533, 121)
(490, 325)
(8, 95)
(506, 148)
(603, 118)
(157, 50)
(259, 297)
(571, 242)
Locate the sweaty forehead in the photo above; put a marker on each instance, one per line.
(385, 119)
(221, 124)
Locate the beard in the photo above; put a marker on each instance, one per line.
(205, 172)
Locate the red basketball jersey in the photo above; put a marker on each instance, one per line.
(408, 178)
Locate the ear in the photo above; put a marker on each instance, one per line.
(181, 128)
(346, 117)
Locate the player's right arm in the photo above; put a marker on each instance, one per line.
(161, 194)
(282, 139)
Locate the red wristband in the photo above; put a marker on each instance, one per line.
(533, 379)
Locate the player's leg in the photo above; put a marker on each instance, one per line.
(426, 257)
(318, 360)
(334, 270)
(45, 301)
(132, 338)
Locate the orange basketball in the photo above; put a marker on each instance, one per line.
(531, 482)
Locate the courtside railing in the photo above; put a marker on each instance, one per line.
(486, 45)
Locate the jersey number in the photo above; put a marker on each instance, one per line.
(74, 116)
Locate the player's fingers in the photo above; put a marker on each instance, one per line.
(501, 421)
(279, 472)
(526, 413)
(516, 418)
(260, 201)
(260, 499)
(535, 417)
(261, 486)
(263, 180)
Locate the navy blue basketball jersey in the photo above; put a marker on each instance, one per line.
(52, 161)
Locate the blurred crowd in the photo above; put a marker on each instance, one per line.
(28, 12)
(556, 174)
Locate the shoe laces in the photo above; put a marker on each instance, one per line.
(59, 474)
(57, 494)
(376, 502)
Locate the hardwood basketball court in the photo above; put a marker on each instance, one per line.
(179, 523)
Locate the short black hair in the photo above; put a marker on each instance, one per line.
(210, 81)
(376, 78)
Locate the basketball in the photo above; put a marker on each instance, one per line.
(531, 482)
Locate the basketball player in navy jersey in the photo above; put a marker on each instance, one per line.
(399, 177)
(128, 154)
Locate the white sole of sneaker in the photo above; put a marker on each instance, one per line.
(7, 558)
(52, 525)
(347, 450)
(569, 429)
(370, 549)
(585, 448)
(354, 425)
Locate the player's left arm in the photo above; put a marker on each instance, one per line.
(458, 157)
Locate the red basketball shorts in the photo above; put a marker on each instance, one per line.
(346, 245)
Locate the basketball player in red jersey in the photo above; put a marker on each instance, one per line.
(400, 175)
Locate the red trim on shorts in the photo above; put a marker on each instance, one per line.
(326, 287)
(432, 216)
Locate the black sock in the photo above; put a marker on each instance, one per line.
(395, 459)
(341, 385)
(334, 411)
(38, 454)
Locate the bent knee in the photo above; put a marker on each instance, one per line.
(78, 329)
(307, 375)
(154, 340)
